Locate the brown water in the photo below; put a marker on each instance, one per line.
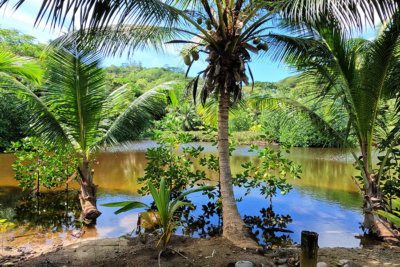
(325, 200)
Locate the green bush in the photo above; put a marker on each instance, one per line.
(295, 129)
(38, 164)
(240, 122)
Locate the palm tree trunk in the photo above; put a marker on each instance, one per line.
(234, 229)
(372, 201)
(87, 194)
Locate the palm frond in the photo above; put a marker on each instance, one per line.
(118, 39)
(135, 117)
(99, 14)
(42, 120)
(20, 66)
(351, 14)
(377, 72)
(263, 101)
(75, 92)
(126, 206)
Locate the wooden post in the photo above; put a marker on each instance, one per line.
(309, 249)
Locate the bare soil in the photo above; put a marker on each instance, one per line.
(187, 251)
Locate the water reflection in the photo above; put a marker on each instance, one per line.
(325, 200)
(206, 222)
(52, 211)
(270, 228)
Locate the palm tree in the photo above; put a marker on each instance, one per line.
(75, 111)
(360, 74)
(228, 31)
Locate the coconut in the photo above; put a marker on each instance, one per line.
(186, 59)
(256, 40)
(195, 55)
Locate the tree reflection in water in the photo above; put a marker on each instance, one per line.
(268, 228)
(59, 211)
(208, 224)
(51, 211)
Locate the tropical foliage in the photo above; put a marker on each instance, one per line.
(39, 165)
(166, 208)
(270, 176)
(140, 79)
(175, 169)
(394, 214)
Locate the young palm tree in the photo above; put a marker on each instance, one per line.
(77, 112)
(360, 74)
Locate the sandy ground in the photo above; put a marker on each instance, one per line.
(186, 251)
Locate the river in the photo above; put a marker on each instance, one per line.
(325, 200)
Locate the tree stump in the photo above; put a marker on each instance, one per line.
(309, 249)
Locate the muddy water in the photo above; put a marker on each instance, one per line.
(325, 200)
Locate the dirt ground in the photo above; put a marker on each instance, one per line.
(188, 251)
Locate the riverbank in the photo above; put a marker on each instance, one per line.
(240, 138)
(188, 251)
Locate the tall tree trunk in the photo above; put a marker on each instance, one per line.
(234, 229)
(87, 194)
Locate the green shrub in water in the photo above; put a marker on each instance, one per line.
(38, 164)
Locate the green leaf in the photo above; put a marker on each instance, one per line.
(127, 205)
(391, 217)
(198, 189)
(117, 204)
(396, 204)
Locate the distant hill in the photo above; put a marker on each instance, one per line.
(141, 79)
(289, 82)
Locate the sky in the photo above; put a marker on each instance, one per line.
(263, 69)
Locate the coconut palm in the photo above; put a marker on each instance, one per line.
(361, 74)
(76, 111)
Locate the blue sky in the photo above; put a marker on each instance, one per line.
(23, 19)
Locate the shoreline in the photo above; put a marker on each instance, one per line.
(189, 251)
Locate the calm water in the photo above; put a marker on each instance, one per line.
(325, 200)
